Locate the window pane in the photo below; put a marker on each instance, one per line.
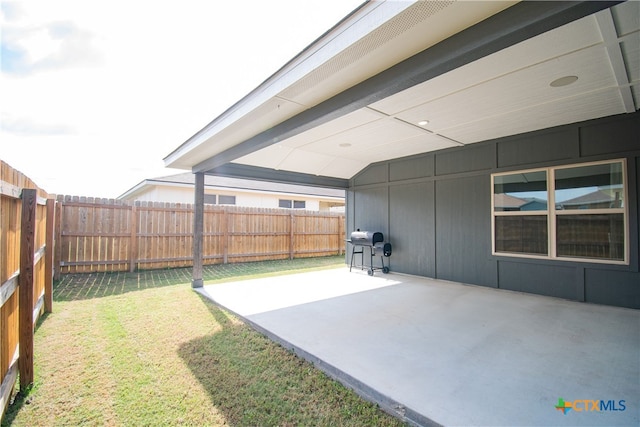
(210, 199)
(227, 200)
(284, 203)
(589, 187)
(299, 204)
(521, 234)
(592, 236)
(520, 192)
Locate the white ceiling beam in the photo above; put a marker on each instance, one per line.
(607, 26)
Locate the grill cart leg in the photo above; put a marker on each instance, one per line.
(354, 252)
(385, 269)
(372, 252)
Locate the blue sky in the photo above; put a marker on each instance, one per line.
(96, 93)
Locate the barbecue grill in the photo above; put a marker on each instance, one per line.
(374, 240)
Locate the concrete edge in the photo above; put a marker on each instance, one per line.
(387, 404)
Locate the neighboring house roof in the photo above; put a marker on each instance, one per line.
(395, 79)
(506, 202)
(597, 197)
(218, 182)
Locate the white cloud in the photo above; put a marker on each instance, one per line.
(96, 94)
(28, 127)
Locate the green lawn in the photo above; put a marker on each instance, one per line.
(144, 349)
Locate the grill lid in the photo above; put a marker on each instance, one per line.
(366, 238)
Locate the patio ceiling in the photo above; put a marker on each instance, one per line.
(395, 79)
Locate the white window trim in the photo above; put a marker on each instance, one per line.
(551, 213)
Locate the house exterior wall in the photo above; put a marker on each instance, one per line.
(157, 193)
(435, 209)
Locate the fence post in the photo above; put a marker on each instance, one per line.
(133, 245)
(58, 238)
(48, 260)
(291, 234)
(25, 285)
(225, 235)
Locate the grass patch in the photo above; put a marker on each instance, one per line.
(144, 349)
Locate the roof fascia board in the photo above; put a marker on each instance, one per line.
(138, 188)
(507, 28)
(271, 175)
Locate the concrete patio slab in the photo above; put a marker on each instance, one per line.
(437, 352)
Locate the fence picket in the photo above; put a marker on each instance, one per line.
(146, 235)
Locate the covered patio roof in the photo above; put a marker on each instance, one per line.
(394, 79)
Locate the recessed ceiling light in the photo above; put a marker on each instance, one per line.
(563, 81)
(344, 145)
(423, 122)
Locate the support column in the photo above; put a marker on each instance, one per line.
(198, 230)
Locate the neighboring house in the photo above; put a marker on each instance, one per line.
(240, 192)
(599, 199)
(425, 111)
(506, 203)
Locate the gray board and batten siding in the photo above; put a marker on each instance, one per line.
(435, 209)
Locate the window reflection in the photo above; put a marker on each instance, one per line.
(525, 234)
(587, 219)
(589, 187)
(592, 236)
(524, 191)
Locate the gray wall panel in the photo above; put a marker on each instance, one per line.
(620, 135)
(468, 159)
(350, 199)
(410, 168)
(550, 280)
(350, 196)
(371, 210)
(374, 174)
(463, 231)
(538, 147)
(414, 203)
(411, 229)
(621, 288)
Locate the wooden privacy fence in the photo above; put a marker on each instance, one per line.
(26, 265)
(111, 235)
(39, 236)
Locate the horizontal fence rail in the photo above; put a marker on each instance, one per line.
(112, 235)
(26, 270)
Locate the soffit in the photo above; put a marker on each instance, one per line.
(502, 94)
(379, 35)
